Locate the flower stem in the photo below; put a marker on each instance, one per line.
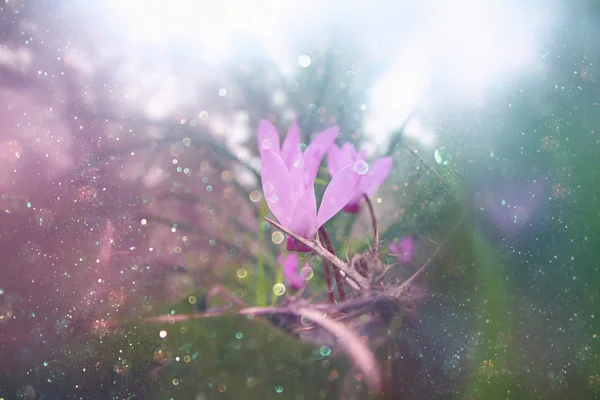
(328, 285)
(324, 237)
(373, 222)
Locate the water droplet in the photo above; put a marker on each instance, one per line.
(307, 273)
(192, 299)
(442, 156)
(242, 273)
(223, 92)
(162, 334)
(268, 187)
(266, 144)
(298, 161)
(175, 381)
(255, 196)
(304, 60)
(239, 335)
(277, 237)
(361, 167)
(221, 387)
(325, 351)
(279, 388)
(273, 198)
(278, 289)
(187, 141)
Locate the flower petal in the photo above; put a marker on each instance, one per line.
(334, 159)
(403, 250)
(304, 220)
(353, 206)
(349, 150)
(339, 192)
(290, 144)
(268, 138)
(296, 170)
(290, 272)
(316, 151)
(377, 173)
(277, 186)
(362, 155)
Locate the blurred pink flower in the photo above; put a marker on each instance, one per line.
(288, 177)
(403, 250)
(338, 158)
(290, 272)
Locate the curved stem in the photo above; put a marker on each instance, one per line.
(319, 250)
(339, 281)
(374, 222)
(328, 285)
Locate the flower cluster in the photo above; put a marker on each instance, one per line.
(288, 177)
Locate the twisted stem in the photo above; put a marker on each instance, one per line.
(339, 280)
(373, 222)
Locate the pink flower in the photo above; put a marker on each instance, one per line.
(288, 177)
(290, 272)
(403, 250)
(377, 172)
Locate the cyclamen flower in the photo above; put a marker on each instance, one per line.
(288, 177)
(379, 170)
(290, 272)
(403, 250)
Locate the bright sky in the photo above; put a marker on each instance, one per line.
(471, 42)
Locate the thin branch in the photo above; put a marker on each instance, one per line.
(316, 247)
(324, 237)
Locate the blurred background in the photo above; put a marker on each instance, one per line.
(129, 184)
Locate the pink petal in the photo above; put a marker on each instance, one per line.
(361, 156)
(349, 150)
(294, 245)
(268, 138)
(296, 170)
(334, 160)
(290, 144)
(339, 192)
(304, 220)
(316, 151)
(377, 173)
(290, 272)
(353, 206)
(403, 250)
(277, 186)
